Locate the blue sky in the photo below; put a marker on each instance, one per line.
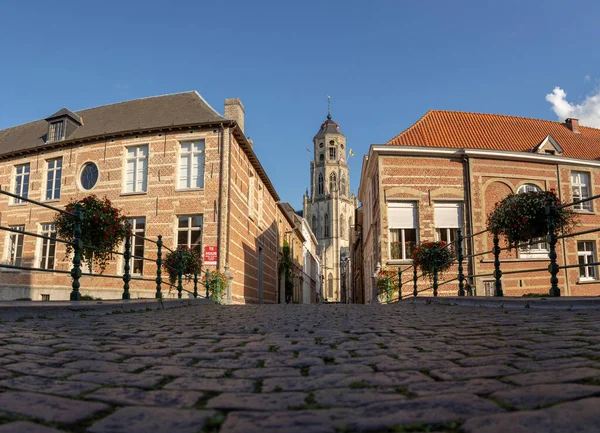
(384, 63)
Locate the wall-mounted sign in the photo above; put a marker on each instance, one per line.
(210, 256)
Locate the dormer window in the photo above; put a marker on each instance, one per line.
(57, 131)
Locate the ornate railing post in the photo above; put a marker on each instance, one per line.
(179, 273)
(461, 276)
(387, 292)
(77, 246)
(127, 267)
(553, 266)
(159, 245)
(415, 291)
(399, 284)
(497, 271)
(435, 272)
(196, 285)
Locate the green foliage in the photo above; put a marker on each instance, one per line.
(288, 270)
(387, 280)
(430, 255)
(102, 230)
(519, 217)
(217, 284)
(190, 259)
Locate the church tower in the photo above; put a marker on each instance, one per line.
(329, 206)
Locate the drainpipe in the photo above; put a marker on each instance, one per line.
(564, 242)
(469, 216)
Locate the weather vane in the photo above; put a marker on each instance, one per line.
(328, 107)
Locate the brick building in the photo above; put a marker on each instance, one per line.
(450, 168)
(172, 163)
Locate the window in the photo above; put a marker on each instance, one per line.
(342, 234)
(343, 185)
(138, 227)
(332, 182)
(321, 157)
(332, 153)
(89, 176)
(21, 182)
(314, 225)
(550, 152)
(587, 255)
(48, 252)
(45, 297)
(402, 222)
(136, 171)
(326, 226)
(15, 246)
(448, 218)
(320, 184)
(528, 187)
(189, 232)
(580, 185)
(53, 178)
(56, 131)
(191, 165)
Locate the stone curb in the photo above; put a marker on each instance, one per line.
(563, 303)
(15, 310)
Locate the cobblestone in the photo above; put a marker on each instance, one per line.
(300, 368)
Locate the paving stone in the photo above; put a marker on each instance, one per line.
(48, 408)
(554, 376)
(219, 385)
(26, 427)
(473, 372)
(135, 396)
(65, 388)
(38, 370)
(260, 373)
(472, 386)
(260, 402)
(536, 396)
(86, 354)
(117, 378)
(578, 416)
(301, 421)
(555, 364)
(343, 397)
(171, 370)
(102, 366)
(153, 419)
(29, 348)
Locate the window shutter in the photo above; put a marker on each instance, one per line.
(448, 215)
(402, 215)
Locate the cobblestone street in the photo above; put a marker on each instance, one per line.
(303, 368)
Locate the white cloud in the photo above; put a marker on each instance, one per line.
(587, 77)
(588, 111)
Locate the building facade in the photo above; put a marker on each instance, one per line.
(448, 171)
(172, 164)
(329, 205)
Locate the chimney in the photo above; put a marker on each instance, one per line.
(573, 125)
(234, 110)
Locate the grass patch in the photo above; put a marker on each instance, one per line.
(304, 371)
(258, 385)
(273, 349)
(261, 363)
(359, 385)
(329, 360)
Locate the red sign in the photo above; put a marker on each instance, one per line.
(210, 256)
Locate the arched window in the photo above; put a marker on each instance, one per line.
(343, 185)
(332, 153)
(332, 182)
(320, 184)
(326, 226)
(528, 187)
(342, 235)
(330, 286)
(314, 225)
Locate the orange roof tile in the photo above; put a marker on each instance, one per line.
(455, 129)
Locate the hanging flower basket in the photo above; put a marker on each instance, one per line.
(102, 230)
(386, 282)
(430, 255)
(522, 217)
(191, 263)
(216, 282)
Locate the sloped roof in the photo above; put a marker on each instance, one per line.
(180, 109)
(65, 112)
(328, 127)
(455, 129)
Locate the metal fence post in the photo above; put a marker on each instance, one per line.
(461, 276)
(415, 291)
(553, 266)
(77, 246)
(497, 271)
(179, 273)
(195, 285)
(387, 292)
(207, 283)
(435, 272)
(127, 267)
(399, 284)
(159, 245)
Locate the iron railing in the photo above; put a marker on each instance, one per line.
(211, 281)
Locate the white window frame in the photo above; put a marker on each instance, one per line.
(588, 253)
(189, 229)
(12, 246)
(580, 180)
(135, 242)
(47, 229)
(194, 160)
(403, 226)
(53, 179)
(332, 153)
(136, 177)
(22, 181)
(537, 248)
(57, 131)
(528, 187)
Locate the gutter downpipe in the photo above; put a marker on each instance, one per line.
(220, 210)
(564, 242)
(468, 192)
